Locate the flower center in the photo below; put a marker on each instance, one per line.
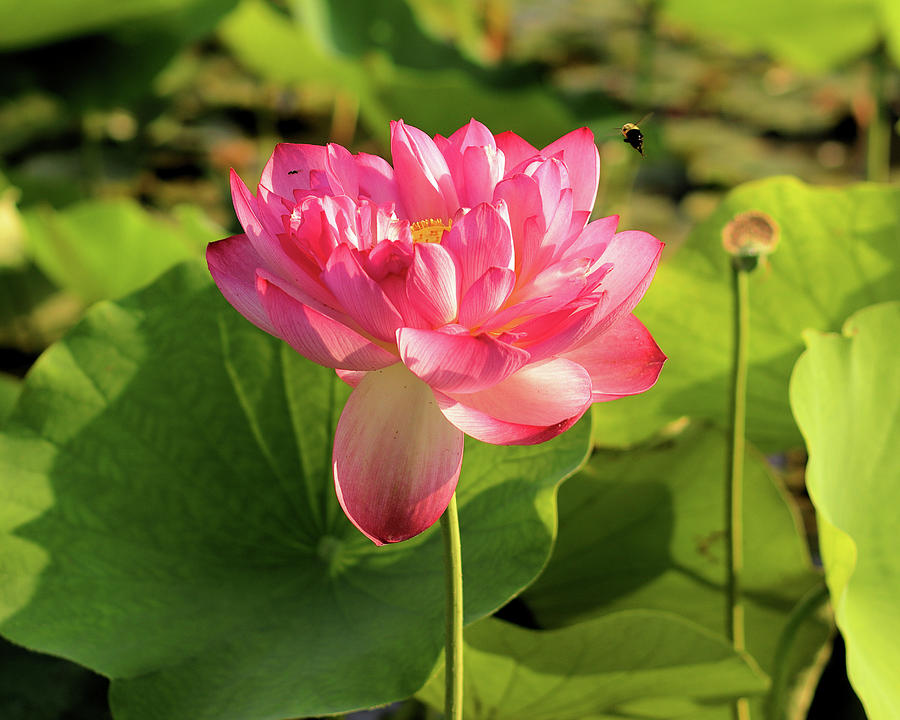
(431, 230)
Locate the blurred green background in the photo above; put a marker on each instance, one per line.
(119, 120)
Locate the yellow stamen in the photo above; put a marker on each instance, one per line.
(431, 230)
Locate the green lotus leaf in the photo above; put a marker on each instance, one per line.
(613, 665)
(169, 521)
(845, 392)
(838, 252)
(644, 529)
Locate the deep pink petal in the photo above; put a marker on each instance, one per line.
(594, 238)
(295, 169)
(526, 219)
(578, 151)
(360, 296)
(432, 284)
(233, 263)
(486, 296)
(481, 239)
(472, 134)
(396, 458)
(634, 256)
(453, 360)
(482, 426)
(624, 360)
(515, 150)
(424, 183)
(376, 179)
(342, 170)
(316, 336)
(263, 240)
(544, 393)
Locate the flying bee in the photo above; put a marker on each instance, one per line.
(632, 135)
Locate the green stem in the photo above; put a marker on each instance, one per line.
(453, 668)
(878, 134)
(734, 487)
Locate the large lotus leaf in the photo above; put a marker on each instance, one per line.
(814, 35)
(171, 522)
(281, 50)
(845, 392)
(439, 100)
(644, 529)
(614, 665)
(838, 253)
(41, 21)
(10, 387)
(103, 249)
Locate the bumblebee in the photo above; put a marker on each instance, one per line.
(632, 135)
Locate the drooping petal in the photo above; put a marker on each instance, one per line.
(453, 360)
(623, 360)
(578, 151)
(486, 428)
(396, 458)
(544, 393)
(481, 239)
(294, 169)
(432, 284)
(423, 179)
(360, 296)
(233, 263)
(485, 296)
(317, 336)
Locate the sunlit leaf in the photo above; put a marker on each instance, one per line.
(106, 248)
(814, 35)
(838, 252)
(40, 21)
(644, 529)
(612, 665)
(845, 392)
(172, 523)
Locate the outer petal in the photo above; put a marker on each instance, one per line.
(248, 214)
(360, 176)
(624, 360)
(295, 169)
(360, 296)
(396, 458)
(485, 296)
(482, 426)
(233, 263)
(634, 256)
(515, 150)
(544, 393)
(481, 239)
(423, 178)
(452, 360)
(316, 336)
(432, 283)
(579, 152)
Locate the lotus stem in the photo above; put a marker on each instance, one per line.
(734, 486)
(453, 667)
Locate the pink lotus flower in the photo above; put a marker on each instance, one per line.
(462, 291)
